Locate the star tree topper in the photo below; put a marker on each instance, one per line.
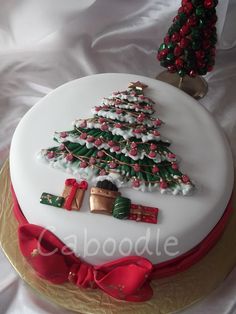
(137, 86)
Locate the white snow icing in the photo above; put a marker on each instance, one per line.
(124, 105)
(127, 133)
(128, 117)
(131, 98)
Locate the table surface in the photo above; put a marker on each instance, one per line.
(45, 44)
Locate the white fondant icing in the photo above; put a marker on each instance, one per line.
(195, 136)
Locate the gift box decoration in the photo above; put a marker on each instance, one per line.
(102, 197)
(143, 213)
(52, 200)
(74, 194)
(123, 209)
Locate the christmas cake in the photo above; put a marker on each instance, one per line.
(145, 154)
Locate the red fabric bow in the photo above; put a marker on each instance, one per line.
(83, 185)
(125, 279)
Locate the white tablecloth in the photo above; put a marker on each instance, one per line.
(44, 44)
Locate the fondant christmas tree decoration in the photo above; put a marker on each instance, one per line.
(52, 200)
(189, 45)
(122, 143)
(73, 194)
(102, 197)
(123, 209)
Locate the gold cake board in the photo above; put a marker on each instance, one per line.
(171, 294)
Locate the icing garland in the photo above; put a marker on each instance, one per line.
(120, 141)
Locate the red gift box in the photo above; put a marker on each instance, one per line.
(143, 213)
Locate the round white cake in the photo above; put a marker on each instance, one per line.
(183, 221)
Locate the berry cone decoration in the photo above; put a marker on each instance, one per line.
(189, 45)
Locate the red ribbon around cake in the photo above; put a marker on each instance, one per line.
(127, 278)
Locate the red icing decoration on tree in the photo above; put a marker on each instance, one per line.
(155, 169)
(69, 157)
(50, 154)
(163, 185)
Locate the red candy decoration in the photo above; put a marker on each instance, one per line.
(102, 172)
(133, 145)
(162, 54)
(92, 161)
(112, 164)
(175, 37)
(155, 169)
(184, 42)
(174, 166)
(69, 157)
(50, 154)
(157, 122)
(171, 68)
(133, 152)
(185, 29)
(163, 185)
(178, 51)
(101, 120)
(209, 68)
(63, 134)
(167, 40)
(136, 167)
(83, 124)
(100, 154)
(179, 63)
(188, 8)
(90, 138)
(153, 146)
(136, 183)
(200, 54)
(83, 135)
(171, 155)
(104, 127)
(192, 21)
(141, 117)
(118, 125)
(111, 143)
(185, 179)
(116, 148)
(98, 142)
(208, 4)
(137, 131)
(152, 154)
(156, 133)
(83, 164)
(206, 44)
(192, 73)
